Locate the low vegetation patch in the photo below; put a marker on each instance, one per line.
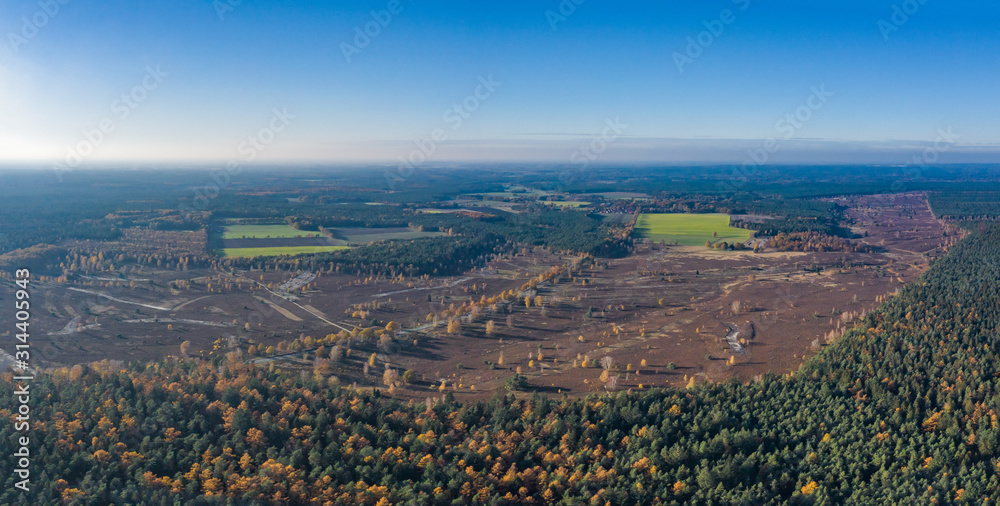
(689, 229)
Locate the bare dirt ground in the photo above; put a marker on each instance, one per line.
(676, 306)
(662, 315)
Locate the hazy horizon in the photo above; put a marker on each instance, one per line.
(625, 151)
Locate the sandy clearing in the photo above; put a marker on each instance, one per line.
(69, 328)
(284, 312)
(315, 311)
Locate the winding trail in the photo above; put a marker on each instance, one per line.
(119, 300)
(178, 308)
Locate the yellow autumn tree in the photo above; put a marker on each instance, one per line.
(255, 437)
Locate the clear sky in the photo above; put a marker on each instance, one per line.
(868, 80)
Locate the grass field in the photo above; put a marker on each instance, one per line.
(689, 229)
(564, 203)
(264, 232)
(273, 252)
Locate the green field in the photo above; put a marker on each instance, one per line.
(274, 252)
(689, 229)
(265, 232)
(565, 203)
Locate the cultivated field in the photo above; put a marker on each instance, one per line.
(689, 229)
(265, 232)
(275, 240)
(249, 241)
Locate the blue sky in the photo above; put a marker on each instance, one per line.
(561, 71)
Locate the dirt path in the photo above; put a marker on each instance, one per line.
(178, 308)
(452, 285)
(147, 306)
(284, 312)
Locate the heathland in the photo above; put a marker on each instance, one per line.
(506, 347)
